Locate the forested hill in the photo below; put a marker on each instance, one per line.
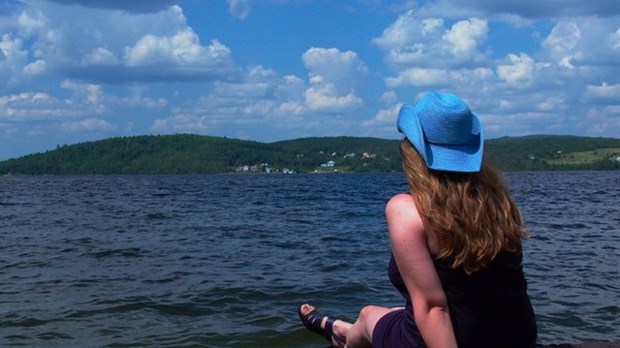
(193, 154)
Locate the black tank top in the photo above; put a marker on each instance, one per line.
(489, 308)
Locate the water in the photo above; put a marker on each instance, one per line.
(224, 260)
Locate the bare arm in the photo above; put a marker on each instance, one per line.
(414, 260)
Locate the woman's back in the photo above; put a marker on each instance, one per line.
(490, 308)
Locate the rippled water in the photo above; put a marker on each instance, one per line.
(224, 260)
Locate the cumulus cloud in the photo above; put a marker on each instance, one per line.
(12, 106)
(579, 42)
(13, 60)
(100, 56)
(425, 42)
(35, 68)
(181, 49)
(389, 97)
(604, 91)
(87, 125)
(324, 98)
(136, 58)
(134, 6)
(383, 122)
(334, 77)
(334, 66)
(260, 96)
(35, 106)
(520, 71)
(561, 43)
(90, 94)
(465, 36)
(420, 77)
(142, 43)
(404, 32)
(526, 9)
(179, 123)
(239, 8)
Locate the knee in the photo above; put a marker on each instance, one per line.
(366, 312)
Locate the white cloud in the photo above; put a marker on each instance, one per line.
(261, 96)
(35, 68)
(100, 56)
(613, 39)
(13, 59)
(551, 104)
(463, 78)
(404, 31)
(583, 42)
(290, 108)
(577, 52)
(125, 6)
(602, 120)
(140, 44)
(343, 69)
(604, 91)
(239, 8)
(334, 76)
(182, 49)
(131, 62)
(89, 95)
(520, 72)
(179, 123)
(562, 43)
(384, 121)
(525, 9)
(389, 97)
(324, 98)
(31, 22)
(514, 20)
(419, 77)
(465, 36)
(34, 106)
(87, 125)
(139, 99)
(425, 42)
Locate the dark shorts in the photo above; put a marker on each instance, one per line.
(393, 331)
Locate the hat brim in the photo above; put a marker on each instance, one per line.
(455, 158)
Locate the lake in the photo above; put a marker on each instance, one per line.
(224, 260)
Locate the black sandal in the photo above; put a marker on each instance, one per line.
(312, 322)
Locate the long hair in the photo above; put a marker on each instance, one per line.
(470, 216)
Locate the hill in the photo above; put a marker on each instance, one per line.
(194, 154)
(554, 152)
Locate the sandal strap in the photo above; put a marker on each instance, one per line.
(330, 334)
(312, 321)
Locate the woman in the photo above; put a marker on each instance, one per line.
(456, 245)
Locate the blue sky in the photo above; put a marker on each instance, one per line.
(267, 70)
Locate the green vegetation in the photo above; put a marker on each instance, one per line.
(194, 154)
(554, 152)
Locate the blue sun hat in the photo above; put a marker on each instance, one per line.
(445, 132)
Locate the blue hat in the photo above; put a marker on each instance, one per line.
(445, 132)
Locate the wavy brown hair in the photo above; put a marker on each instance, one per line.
(470, 216)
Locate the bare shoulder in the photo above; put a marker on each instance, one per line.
(402, 214)
(401, 198)
(401, 204)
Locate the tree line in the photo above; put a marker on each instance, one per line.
(196, 154)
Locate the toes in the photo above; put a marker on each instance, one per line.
(306, 308)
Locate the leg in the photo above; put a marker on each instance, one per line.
(334, 331)
(359, 335)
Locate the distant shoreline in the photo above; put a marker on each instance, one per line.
(196, 154)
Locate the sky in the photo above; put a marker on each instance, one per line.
(266, 70)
